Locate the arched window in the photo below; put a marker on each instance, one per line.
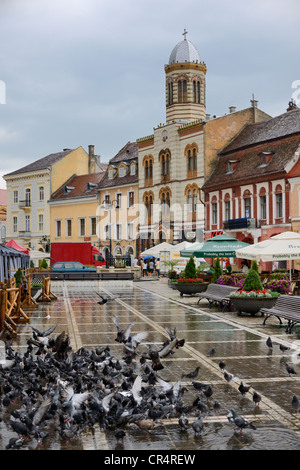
(165, 200)
(148, 165)
(247, 203)
(196, 91)
(191, 152)
(170, 93)
(278, 204)
(263, 204)
(182, 91)
(148, 199)
(165, 159)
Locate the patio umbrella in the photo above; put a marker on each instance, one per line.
(189, 250)
(221, 246)
(282, 247)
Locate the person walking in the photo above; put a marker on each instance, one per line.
(145, 272)
(157, 267)
(151, 267)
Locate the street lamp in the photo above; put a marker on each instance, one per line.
(108, 206)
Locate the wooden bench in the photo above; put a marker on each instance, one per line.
(217, 293)
(287, 307)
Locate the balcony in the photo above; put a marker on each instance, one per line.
(237, 224)
(25, 204)
(24, 234)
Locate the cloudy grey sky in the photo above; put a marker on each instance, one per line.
(80, 72)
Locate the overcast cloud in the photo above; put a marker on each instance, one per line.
(80, 72)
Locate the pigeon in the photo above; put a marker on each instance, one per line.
(211, 352)
(183, 423)
(243, 389)
(295, 403)
(228, 377)
(103, 299)
(240, 422)
(283, 348)
(290, 369)
(198, 426)
(191, 375)
(222, 365)
(122, 335)
(256, 398)
(269, 343)
(15, 443)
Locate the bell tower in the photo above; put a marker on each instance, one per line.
(185, 83)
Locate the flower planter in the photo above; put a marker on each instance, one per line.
(252, 305)
(191, 288)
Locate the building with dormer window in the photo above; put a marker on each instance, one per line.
(118, 204)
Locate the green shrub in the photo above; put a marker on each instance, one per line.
(254, 265)
(44, 264)
(190, 269)
(252, 281)
(217, 271)
(19, 276)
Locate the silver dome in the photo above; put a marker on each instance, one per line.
(184, 51)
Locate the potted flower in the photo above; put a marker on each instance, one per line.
(189, 283)
(252, 296)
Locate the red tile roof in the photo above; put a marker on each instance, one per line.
(78, 186)
(3, 197)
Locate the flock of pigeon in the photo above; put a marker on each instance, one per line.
(52, 389)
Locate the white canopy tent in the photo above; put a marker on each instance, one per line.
(282, 247)
(155, 250)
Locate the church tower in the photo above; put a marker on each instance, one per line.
(185, 84)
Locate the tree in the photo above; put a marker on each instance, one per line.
(252, 281)
(190, 269)
(254, 265)
(217, 271)
(19, 276)
(44, 264)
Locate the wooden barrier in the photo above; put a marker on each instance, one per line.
(29, 301)
(11, 311)
(46, 295)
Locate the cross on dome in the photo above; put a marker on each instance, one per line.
(184, 34)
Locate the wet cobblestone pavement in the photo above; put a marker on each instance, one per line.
(239, 341)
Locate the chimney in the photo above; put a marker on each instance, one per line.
(232, 109)
(91, 150)
(92, 162)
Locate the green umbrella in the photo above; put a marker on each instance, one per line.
(221, 246)
(187, 252)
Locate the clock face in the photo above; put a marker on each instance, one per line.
(164, 136)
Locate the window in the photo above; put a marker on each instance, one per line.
(93, 226)
(16, 196)
(41, 222)
(131, 199)
(263, 207)
(227, 210)
(170, 94)
(69, 227)
(15, 224)
(247, 205)
(110, 174)
(182, 91)
(190, 201)
(119, 199)
(122, 171)
(278, 205)
(130, 231)
(107, 232)
(214, 209)
(229, 167)
(107, 199)
(58, 228)
(41, 193)
(27, 223)
(132, 169)
(82, 227)
(119, 231)
(196, 92)
(195, 199)
(27, 196)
